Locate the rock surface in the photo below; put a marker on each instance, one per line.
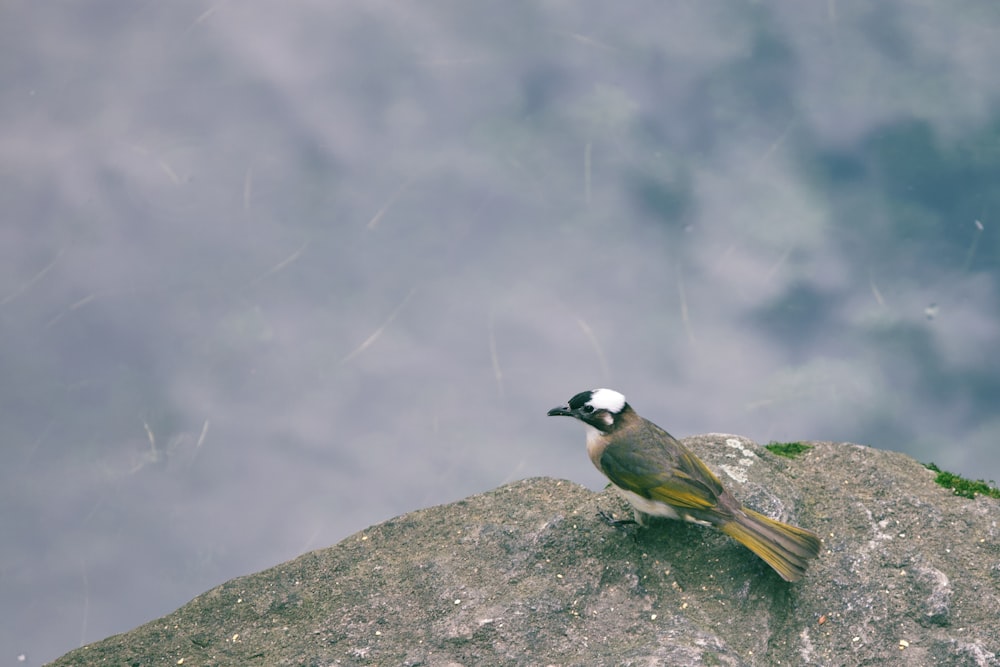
(528, 574)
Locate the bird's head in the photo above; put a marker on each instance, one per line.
(599, 408)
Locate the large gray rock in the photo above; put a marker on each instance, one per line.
(528, 574)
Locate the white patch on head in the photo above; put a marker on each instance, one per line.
(607, 399)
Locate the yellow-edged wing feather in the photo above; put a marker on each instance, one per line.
(670, 473)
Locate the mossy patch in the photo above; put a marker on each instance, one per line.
(789, 450)
(961, 486)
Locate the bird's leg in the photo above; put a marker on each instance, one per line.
(612, 521)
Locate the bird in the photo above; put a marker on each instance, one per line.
(659, 476)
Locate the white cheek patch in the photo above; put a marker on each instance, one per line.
(607, 399)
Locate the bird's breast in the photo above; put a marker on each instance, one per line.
(596, 443)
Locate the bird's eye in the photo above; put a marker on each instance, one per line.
(588, 409)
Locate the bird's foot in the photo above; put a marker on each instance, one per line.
(612, 521)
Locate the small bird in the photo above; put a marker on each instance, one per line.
(661, 477)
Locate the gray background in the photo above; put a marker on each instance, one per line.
(272, 272)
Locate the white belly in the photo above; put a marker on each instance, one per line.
(656, 508)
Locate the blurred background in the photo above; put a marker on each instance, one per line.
(273, 272)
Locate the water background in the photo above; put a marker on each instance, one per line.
(273, 272)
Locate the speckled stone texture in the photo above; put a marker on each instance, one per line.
(529, 574)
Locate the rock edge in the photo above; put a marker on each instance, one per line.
(529, 574)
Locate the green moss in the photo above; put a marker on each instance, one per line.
(961, 486)
(789, 450)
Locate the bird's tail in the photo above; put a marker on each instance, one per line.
(784, 547)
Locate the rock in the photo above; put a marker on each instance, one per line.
(528, 574)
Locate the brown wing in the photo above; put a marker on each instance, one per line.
(651, 463)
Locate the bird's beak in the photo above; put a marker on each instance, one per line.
(561, 411)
